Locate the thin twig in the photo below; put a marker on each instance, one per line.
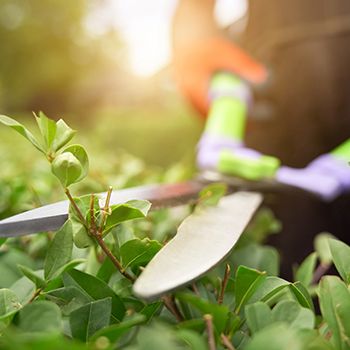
(226, 342)
(74, 205)
(36, 294)
(319, 272)
(224, 284)
(195, 289)
(92, 217)
(171, 306)
(105, 209)
(209, 323)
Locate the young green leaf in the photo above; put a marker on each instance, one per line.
(218, 312)
(41, 316)
(211, 194)
(90, 318)
(79, 153)
(63, 135)
(138, 252)
(106, 270)
(333, 293)
(9, 305)
(47, 128)
(30, 274)
(114, 332)
(59, 252)
(22, 130)
(295, 316)
(322, 247)
(67, 168)
(341, 257)
(247, 283)
(96, 290)
(302, 295)
(306, 270)
(132, 209)
(258, 316)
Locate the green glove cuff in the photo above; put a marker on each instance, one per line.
(342, 151)
(249, 168)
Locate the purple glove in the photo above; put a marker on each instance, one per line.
(327, 176)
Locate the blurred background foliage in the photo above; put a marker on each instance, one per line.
(135, 129)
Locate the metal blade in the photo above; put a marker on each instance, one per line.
(203, 240)
(52, 217)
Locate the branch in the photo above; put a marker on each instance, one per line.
(209, 322)
(74, 205)
(171, 306)
(224, 284)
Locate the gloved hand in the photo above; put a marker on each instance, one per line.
(328, 175)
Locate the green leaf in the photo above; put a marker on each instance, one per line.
(302, 295)
(219, 313)
(240, 340)
(269, 288)
(24, 289)
(137, 252)
(262, 258)
(132, 209)
(114, 332)
(79, 153)
(90, 318)
(63, 135)
(291, 313)
(22, 130)
(47, 128)
(96, 290)
(9, 305)
(341, 257)
(322, 247)
(306, 270)
(195, 340)
(333, 294)
(150, 309)
(123, 287)
(122, 234)
(258, 316)
(2, 241)
(82, 237)
(247, 283)
(212, 193)
(196, 324)
(59, 252)
(29, 273)
(67, 168)
(106, 270)
(41, 316)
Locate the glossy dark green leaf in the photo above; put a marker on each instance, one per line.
(40, 316)
(79, 153)
(322, 247)
(9, 305)
(114, 332)
(123, 287)
(66, 168)
(293, 315)
(341, 257)
(63, 135)
(247, 283)
(59, 252)
(132, 209)
(219, 313)
(137, 252)
(302, 295)
(258, 316)
(22, 130)
(306, 270)
(150, 309)
(96, 289)
(47, 128)
(29, 273)
(90, 318)
(211, 194)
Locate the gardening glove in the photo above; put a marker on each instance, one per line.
(221, 146)
(328, 175)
